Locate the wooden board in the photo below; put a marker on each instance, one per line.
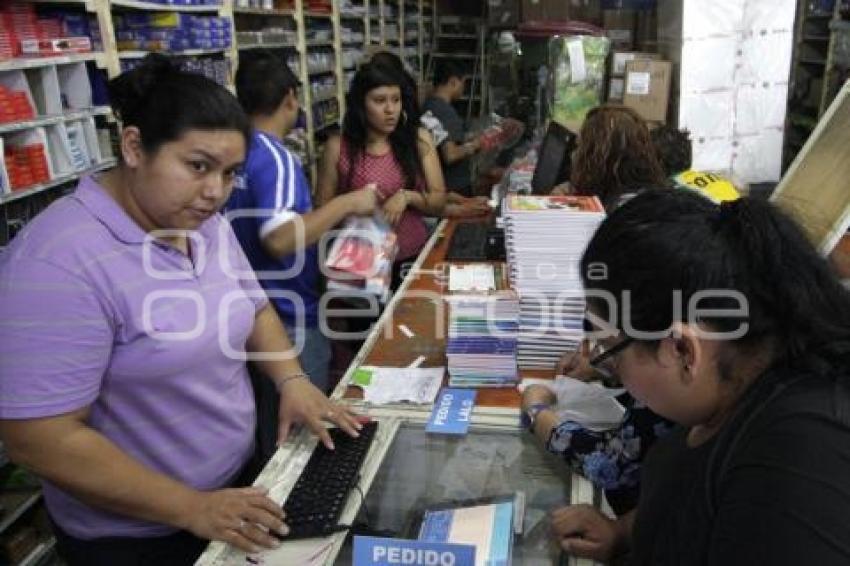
(428, 321)
(816, 188)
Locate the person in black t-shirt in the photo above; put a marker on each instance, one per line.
(725, 320)
(446, 126)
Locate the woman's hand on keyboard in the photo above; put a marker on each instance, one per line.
(240, 517)
(301, 402)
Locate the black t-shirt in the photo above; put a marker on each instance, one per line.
(458, 176)
(771, 488)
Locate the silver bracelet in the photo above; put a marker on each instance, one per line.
(287, 378)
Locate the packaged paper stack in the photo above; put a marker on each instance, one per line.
(361, 257)
(545, 237)
(482, 343)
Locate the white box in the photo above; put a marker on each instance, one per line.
(759, 107)
(712, 154)
(77, 146)
(74, 85)
(733, 60)
(59, 151)
(759, 156)
(708, 64)
(708, 115)
(92, 143)
(44, 84)
(755, 66)
(703, 19)
(771, 15)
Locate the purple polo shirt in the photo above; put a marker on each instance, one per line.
(95, 313)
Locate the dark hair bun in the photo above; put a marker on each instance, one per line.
(128, 91)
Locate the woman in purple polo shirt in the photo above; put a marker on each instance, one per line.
(127, 310)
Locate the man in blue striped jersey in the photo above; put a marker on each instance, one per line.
(272, 214)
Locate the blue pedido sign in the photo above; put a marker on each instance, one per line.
(374, 551)
(452, 412)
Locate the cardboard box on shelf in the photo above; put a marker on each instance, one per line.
(647, 88)
(620, 28)
(545, 10)
(620, 58)
(503, 13)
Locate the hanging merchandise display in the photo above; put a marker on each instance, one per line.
(577, 84)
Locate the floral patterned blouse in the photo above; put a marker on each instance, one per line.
(611, 459)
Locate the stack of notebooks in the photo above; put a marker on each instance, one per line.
(545, 237)
(482, 344)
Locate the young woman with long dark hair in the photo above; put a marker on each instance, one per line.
(382, 145)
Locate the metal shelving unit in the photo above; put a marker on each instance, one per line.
(454, 40)
(410, 40)
(52, 117)
(815, 77)
(57, 182)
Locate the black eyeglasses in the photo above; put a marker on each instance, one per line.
(602, 358)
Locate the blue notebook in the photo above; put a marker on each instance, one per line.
(487, 526)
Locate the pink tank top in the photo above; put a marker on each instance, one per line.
(386, 173)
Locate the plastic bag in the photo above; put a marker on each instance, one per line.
(361, 258)
(578, 76)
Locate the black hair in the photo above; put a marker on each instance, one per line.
(408, 87)
(445, 70)
(662, 242)
(404, 140)
(673, 147)
(262, 82)
(388, 59)
(164, 102)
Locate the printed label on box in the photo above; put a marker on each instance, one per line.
(578, 69)
(637, 83)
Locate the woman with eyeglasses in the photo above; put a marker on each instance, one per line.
(610, 459)
(725, 320)
(383, 146)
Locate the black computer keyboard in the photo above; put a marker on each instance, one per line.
(318, 497)
(469, 242)
(476, 241)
